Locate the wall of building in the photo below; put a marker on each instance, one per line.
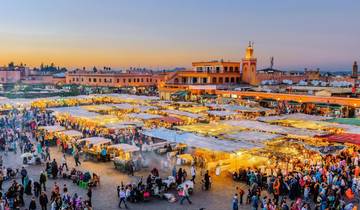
(9, 76)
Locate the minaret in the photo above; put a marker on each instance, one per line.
(249, 66)
(355, 70)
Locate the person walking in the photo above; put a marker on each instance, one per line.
(76, 158)
(89, 195)
(64, 162)
(43, 200)
(235, 202)
(23, 173)
(193, 173)
(241, 194)
(32, 205)
(42, 180)
(254, 202)
(122, 196)
(185, 195)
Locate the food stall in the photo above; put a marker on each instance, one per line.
(48, 132)
(92, 147)
(69, 138)
(124, 155)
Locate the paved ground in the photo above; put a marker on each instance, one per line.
(104, 196)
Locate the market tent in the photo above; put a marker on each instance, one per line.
(95, 140)
(124, 124)
(143, 116)
(75, 112)
(106, 119)
(124, 147)
(194, 109)
(171, 120)
(52, 128)
(254, 137)
(265, 127)
(213, 129)
(221, 113)
(306, 124)
(182, 113)
(124, 106)
(348, 121)
(193, 140)
(181, 93)
(98, 108)
(297, 116)
(71, 133)
(345, 138)
(146, 108)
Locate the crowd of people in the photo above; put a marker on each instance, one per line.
(332, 183)
(17, 135)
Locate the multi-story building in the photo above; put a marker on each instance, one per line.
(111, 78)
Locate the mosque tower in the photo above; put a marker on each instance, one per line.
(355, 70)
(249, 66)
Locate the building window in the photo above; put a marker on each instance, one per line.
(124, 80)
(236, 69)
(150, 80)
(134, 80)
(89, 79)
(176, 80)
(147, 79)
(129, 80)
(217, 69)
(100, 80)
(77, 79)
(194, 80)
(110, 80)
(94, 80)
(204, 80)
(226, 79)
(82, 79)
(238, 80)
(199, 69)
(138, 80)
(231, 69)
(214, 80)
(225, 68)
(73, 79)
(142, 80)
(232, 80)
(221, 80)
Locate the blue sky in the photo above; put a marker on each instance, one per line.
(169, 33)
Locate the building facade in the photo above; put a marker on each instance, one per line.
(111, 78)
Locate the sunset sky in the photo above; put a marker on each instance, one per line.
(173, 33)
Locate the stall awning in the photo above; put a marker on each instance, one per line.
(71, 133)
(172, 120)
(125, 147)
(193, 140)
(348, 121)
(210, 96)
(96, 140)
(52, 128)
(345, 138)
(181, 93)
